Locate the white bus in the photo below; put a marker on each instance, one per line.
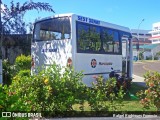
(87, 44)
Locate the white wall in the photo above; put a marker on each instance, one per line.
(147, 54)
(135, 53)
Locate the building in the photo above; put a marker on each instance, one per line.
(155, 39)
(141, 35)
(149, 51)
(140, 38)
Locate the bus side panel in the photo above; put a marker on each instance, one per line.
(45, 53)
(73, 42)
(97, 64)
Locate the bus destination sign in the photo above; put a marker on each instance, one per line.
(88, 20)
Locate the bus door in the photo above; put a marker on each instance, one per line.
(126, 57)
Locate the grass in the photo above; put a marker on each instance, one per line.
(128, 104)
(133, 90)
(146, 61)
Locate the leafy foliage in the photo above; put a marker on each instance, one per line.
(3, 96)
(49, 90)
(102, 91)
(57, 89)
(22, 66)
(141, 56)
(23, 62)
(157, 56)
(12, 17)
(7, 72)
(151, 96)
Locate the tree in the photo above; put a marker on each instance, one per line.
(141, 56)
(157, 56)
(12, 17)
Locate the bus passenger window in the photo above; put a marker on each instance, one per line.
(88, 38)
(82, 37)
(110, 41)
(116, 42)
(53, 29)
(107, 39)
(97, 39)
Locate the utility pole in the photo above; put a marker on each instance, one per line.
(138, 37)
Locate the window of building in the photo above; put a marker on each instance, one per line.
(141, 39)
(148, 34)
(155, 28)
(134, 33)
(155, 40)
(141, 34)
(155, 33)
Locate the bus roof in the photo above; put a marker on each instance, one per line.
(103, 23)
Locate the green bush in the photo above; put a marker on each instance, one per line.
(7, 72)
(3, 97)
(67, 88)
(141, 56)
(57, 89)
(151, 96)
(24, 73)
(148, 57)
(102, 91)
(49, 90)
(23, 62)
(156, 57)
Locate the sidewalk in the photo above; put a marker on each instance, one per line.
(139, 80)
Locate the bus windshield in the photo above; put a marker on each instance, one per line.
(52, 29)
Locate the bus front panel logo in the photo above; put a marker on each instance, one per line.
(93, 63)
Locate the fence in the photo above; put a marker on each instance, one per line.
(15, 45)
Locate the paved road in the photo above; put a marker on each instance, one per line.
(140, 68)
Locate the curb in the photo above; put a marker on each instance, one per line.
(139, 80)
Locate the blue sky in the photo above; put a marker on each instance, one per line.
(127, 13)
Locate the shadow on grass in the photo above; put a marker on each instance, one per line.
(131, 93)
(131, 101)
